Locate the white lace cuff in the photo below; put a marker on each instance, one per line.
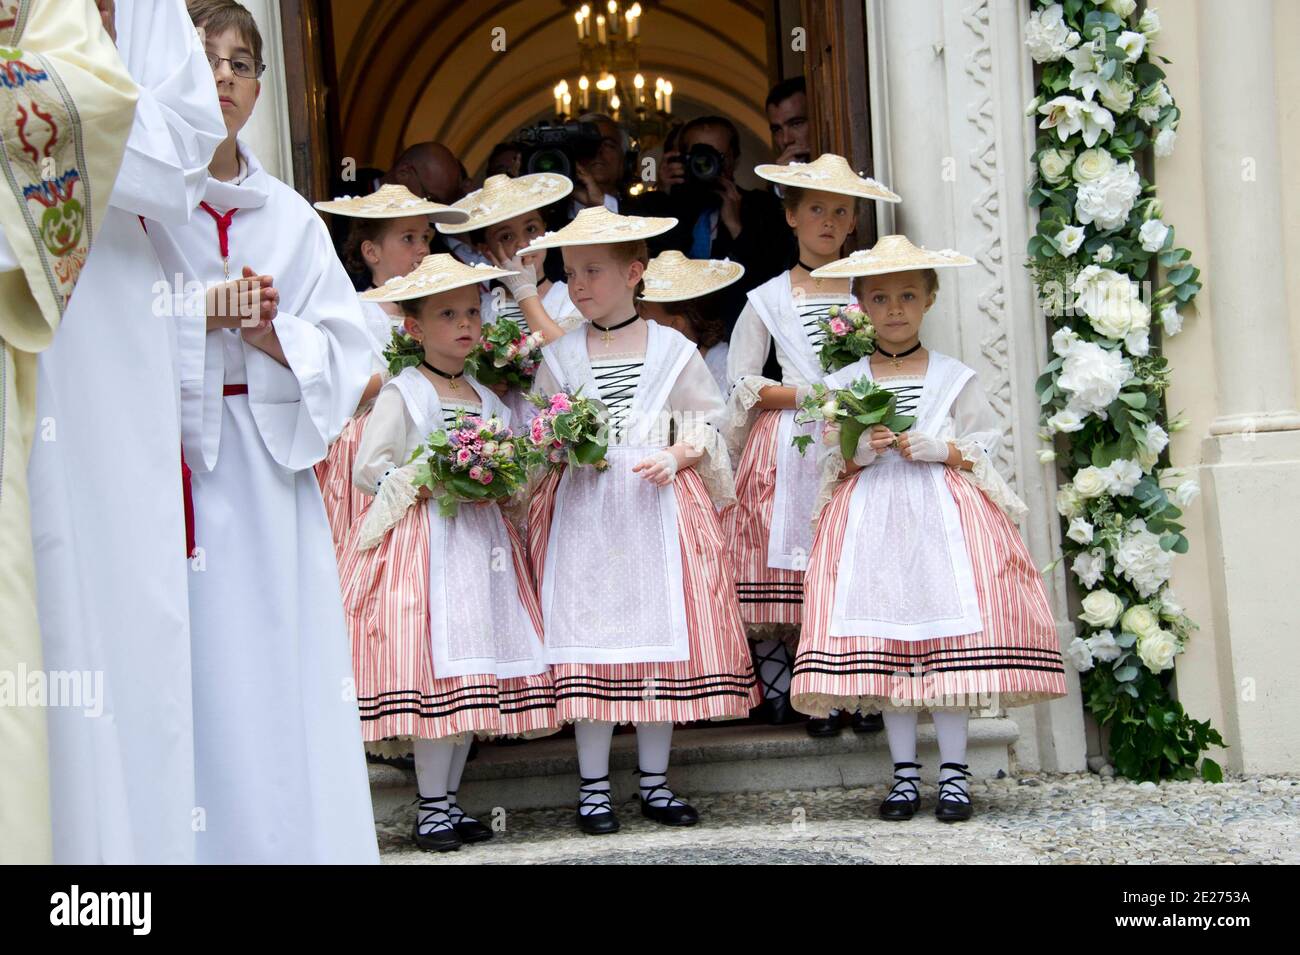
(396, 495)
(741, 412)
(830, 464)
(715, 467)
(988, 479)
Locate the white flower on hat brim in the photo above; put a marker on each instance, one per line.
(896, 258)
(502, 198)
(434, 275)
(671, 277)
(390, 202)
(596, 225)
(827, 173)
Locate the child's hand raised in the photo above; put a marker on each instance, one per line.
(247, 302)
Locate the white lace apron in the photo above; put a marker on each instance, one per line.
(612, 591)
(905, 573)
(477, 623)
(789, 539)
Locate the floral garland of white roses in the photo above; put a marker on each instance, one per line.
(1102, 101)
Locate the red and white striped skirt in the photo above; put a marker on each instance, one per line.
(717, 682)
(1015, 661)
(771, 599)
(386, 603)
(344, 503)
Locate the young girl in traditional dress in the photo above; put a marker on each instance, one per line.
(641, 619)
(502, 217)
(443, 617)
(279, 771)
(769, 528)
(920, 594)
(389, 237)
(679, 294)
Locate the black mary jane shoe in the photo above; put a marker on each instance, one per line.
(596, 823)
(442, 837)
(870, 723)
(903, 799)
(823, 729)
(670, 810)
(470, 829)
(954, 801)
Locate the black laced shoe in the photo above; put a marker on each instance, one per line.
(870, 723)
(903, 798)
(467, 827)
(822, 729)
(598, 822)
(438, 834)
(954, 801)
(659, 803)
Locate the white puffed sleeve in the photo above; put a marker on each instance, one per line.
(973, 426)
(380, 466)
(696, 407)
(746, 356)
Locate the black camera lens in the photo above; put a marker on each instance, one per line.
(550, 160)
(703, 163)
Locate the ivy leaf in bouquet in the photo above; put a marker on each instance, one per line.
(860, 406)
(570, 430)
(505, 354)
(403, 351)
(847, 336)
(474, 461)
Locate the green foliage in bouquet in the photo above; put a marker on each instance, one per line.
(860, 406)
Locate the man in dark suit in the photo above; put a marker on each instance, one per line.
(716, 218)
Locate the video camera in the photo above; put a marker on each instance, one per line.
(558, 147)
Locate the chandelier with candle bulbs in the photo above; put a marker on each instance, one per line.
(611, 81)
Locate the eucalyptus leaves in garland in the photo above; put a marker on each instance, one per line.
(1104, 262)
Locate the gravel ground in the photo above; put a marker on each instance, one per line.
(1046, 818)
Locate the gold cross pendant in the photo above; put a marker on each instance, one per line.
(605, 336)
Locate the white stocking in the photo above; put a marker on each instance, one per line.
(951, 728)
(654, 741)
(457, 769)
(900, 730)
(593, 741)
(433, 760)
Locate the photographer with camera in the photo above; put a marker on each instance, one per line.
(716, 218)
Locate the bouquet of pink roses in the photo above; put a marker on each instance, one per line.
(477, 459)
(570, 430)
(847, 335)
(505, 354)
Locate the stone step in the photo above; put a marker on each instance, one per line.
(543, 774)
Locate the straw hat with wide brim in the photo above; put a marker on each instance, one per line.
(436, 273)
(391, 202)
(596, 225)
(893, 253)
(672, 277)
(503, 198)
(827, 173)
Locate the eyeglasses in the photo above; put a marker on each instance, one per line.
(245, 67)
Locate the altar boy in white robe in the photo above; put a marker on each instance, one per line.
(111, 581)
(280, 772)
